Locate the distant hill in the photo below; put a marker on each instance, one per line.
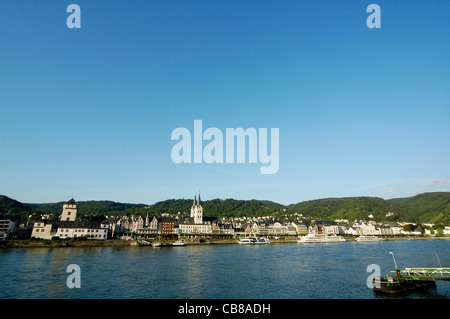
(431, 207)
(427, 207)
(350, 208)
(214, 208)
(238, 208)
(87, 207)
(9, 205)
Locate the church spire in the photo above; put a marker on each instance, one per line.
(195, 198)
(198, 203)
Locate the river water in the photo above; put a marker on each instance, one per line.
(227, 271)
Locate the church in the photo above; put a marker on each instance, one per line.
(195, 224)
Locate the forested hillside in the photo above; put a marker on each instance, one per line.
(427, 207)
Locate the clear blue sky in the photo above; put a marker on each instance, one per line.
(88, 113)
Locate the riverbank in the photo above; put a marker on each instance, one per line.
(64, 243)
(120, 243)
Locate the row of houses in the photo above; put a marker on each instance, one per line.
(166, 225)
(356, 229)
(141, 226)
(120, 226)
(369, 228)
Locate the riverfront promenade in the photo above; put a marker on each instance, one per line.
(119, 243)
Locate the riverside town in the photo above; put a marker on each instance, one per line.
(196, 227)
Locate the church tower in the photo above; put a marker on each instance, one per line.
(69, 212)
(197, 210)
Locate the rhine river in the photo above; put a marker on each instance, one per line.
(222, 271)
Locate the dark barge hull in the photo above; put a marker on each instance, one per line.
(403, 286)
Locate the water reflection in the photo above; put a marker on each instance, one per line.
(287, 271)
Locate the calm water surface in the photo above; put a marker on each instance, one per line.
(275, 271)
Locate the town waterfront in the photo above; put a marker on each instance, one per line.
(274, 271)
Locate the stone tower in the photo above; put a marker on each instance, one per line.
(69, 212)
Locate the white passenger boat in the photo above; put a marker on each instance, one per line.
(254, 240)
(316, 238)
(367, 238)
(179, 242)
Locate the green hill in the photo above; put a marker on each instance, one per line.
(9, 205)
(427, 207)
(350, 208)
(238, 208)
(87, 207)
(431, 207)
(214, 208)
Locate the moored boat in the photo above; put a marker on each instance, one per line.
(254, 240)
(407, 280)
(401, 285)
(142, 242)
(179, 242)
(367, 238)
(316, 238)
(262, 240)
(161, 244)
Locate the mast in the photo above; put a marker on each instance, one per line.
(395, 263)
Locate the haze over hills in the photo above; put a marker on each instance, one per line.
(426, 207)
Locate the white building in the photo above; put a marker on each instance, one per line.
(197, 211)
(68, 227)
(43, 231)
(195, 224)
(90, 230)
(333, 229)
(194, 228)
(69, 212)
(277, 229)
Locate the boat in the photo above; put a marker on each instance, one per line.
(316, 238)
(367, 238)
(179, 242)
(142, 242)
(245, 241)
(254, 240)
(398, 284)
(262, 240)
(407, 280)
(161, 244)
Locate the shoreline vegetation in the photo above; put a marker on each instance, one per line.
(42, 243)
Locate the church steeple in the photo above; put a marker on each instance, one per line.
(197, 210)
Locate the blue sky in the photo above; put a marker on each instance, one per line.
(88, 113)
